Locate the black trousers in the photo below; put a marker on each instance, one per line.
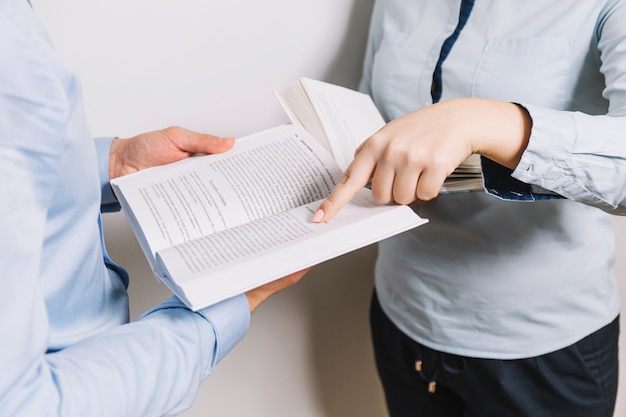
(577, 381)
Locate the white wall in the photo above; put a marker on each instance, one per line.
(212, 66)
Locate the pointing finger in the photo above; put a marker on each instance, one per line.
(356, 177)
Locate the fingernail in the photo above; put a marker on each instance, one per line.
(318, 215)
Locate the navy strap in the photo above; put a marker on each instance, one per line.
(466, 9)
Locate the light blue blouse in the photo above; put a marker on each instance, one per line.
(489, 277)
(65, 346)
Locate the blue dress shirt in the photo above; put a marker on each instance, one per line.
(489, 277)
(66, 347)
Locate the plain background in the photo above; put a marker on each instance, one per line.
(213, 66)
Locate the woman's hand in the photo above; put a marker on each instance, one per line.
(409, 158)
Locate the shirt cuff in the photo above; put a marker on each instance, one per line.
(108, 202)
(520, 184)
(500, 182)
(229, 320)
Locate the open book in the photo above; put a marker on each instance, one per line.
(342, 118)
(214, 226)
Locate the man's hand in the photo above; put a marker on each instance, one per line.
(161, 147)
(408, 160)
(260, 294)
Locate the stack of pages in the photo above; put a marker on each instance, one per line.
(467, 177)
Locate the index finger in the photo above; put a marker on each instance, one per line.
(356, 177)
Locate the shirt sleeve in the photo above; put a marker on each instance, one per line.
(580, 156)
(151, 367)
(109, 201)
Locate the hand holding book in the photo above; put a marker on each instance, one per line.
(215, 226)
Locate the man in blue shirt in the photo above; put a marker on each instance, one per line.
(66, 347)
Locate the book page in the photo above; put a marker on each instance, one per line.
(214, 267)
(301, 111)
(262, 175)
(338, 117)
(349, 117)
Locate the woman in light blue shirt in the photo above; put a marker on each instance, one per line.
(505, 304)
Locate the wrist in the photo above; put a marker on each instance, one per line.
(115, 158)
(501, 131)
